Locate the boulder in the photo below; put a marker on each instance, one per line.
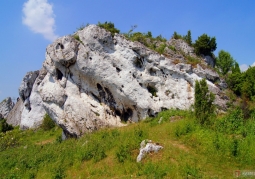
(6, 106)
(102, 80)
(147, 146)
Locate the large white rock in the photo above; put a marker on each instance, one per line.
(102, 80)
(147, 146)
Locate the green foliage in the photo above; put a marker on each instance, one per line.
(205, 45)
(235, 79)
(123, 153)
(192, 60)
(188, 38)
(248, 83)
(112, 152)
(232, 123)
(109, 26)
(161, 48)
(243, 84)
(224, 62)
(9, 139)
(4, 126)
(47, 123)
(176, 36)
(139, 37)
(204, 107)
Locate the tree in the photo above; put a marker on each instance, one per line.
(204, 99)
(187, 38)
(205, 45)
(224, 62)
(248, 84)
(235, 79)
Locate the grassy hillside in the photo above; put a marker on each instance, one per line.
(190, 151)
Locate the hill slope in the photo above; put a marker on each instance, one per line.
(190, 151)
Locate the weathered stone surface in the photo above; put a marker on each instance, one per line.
(14, 117)
(147, 146)
(29, 110)
(33, 111)
(209, 60)
(6, 106)
(1, 116)
(103, 79)
(181, 45)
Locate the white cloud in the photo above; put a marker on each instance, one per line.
(39, 17)
(244, 67)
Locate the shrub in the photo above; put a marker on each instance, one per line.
(176, 36)
(204, 107)
(47, 123)
(161, 48)
(4, 126)
(139, 37)
(109, 26)
(205, 45)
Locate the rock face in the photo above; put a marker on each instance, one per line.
(14, 117)
(33, 111)
(28, 111)
(5, 107)
(100, 80)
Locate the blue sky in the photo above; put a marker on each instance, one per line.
(28, 26)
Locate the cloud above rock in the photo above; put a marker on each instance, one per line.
(38, 15)
(244, 67)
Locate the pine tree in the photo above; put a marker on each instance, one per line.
(204, 99)
(188, 38)
(205, 45)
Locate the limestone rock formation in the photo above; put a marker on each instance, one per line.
(6, 106)
(100, 80)
(28, 111)
(147, 146)
(14, 117)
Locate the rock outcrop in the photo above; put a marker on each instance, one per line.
(5, 107)
(98, 80)
(28, 111)
(14, 117)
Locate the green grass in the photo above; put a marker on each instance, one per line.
(190, 151)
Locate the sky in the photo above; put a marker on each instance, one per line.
(27, 27)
